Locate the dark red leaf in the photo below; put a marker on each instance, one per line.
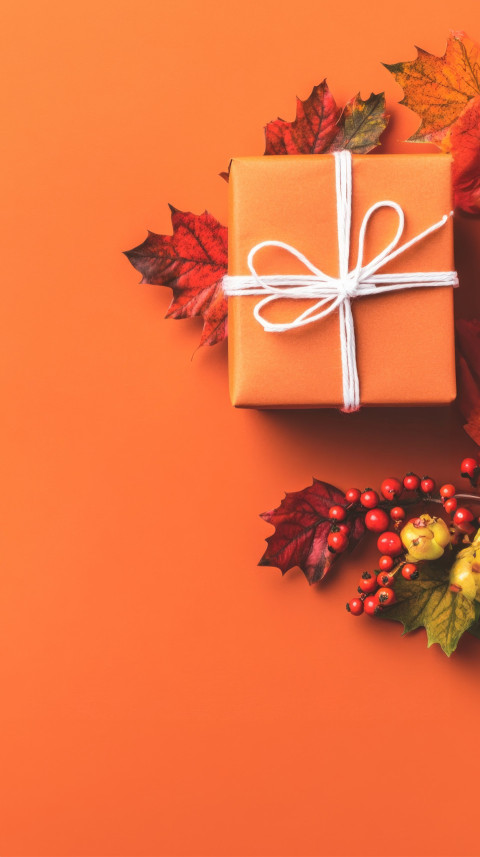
(320, 126)
(313, 130)
(468, 374)
(301, 529)
(468, 342)
(192, 262)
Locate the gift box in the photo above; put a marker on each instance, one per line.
(404, 337)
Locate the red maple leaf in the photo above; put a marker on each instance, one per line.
(320, 126)
(302, 526)
(464, 143)
(313, 130)
(192, 262)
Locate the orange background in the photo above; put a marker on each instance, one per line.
(160, 694)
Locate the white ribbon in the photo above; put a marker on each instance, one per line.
(333, 293)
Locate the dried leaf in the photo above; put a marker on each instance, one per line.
(192, 262)
(428, 603)
(445, 93)
(302, 526)
(468, 343)
(361, 124)
(439, 88)
(463, 141)
(320, 126)
(313, 130)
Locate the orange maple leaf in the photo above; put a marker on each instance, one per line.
(445, 93)
(439, 88)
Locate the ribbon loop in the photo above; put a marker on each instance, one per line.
(332, 293)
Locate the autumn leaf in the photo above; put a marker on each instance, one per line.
(472, 426)
(439, 88)
(361, 124)
(445, 93)
(468, 343)
(320, 126)
(312, 131)
(192, 262)
(468, 397)
(463, 141)
(428, 602)
(475, 630)
(302, 526)
(468, 374)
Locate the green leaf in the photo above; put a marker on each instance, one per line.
(361, 124)
(475, 630)
(428, 603)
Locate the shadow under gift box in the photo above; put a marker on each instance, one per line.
(404, 340)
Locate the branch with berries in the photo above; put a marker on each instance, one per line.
(427, 574)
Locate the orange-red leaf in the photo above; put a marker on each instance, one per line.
(439, 88)
(192, 262)
(302, 526)
(463, 141)
(320, 126)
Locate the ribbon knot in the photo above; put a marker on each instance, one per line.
(349, 287)
(336, 293)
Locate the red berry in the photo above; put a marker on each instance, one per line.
(353, 495)
(450, 505)
(367, 583)
(337, 541)
(447, 491)
(369, 499)
(391, 487)
(371, 605)
(411, 481)
(397, 513)
(427, 485)
(468, 467)
(385, 597)
(385, 563)
(337, 513)
(344, 528)
(376, 520)
(355, 606)
(385, 578)
(463, 520)
(410, 571)
(390, 544)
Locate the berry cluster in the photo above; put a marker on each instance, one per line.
(421, 538)
(375, 589)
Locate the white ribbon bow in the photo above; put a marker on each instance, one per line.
(337, 292)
